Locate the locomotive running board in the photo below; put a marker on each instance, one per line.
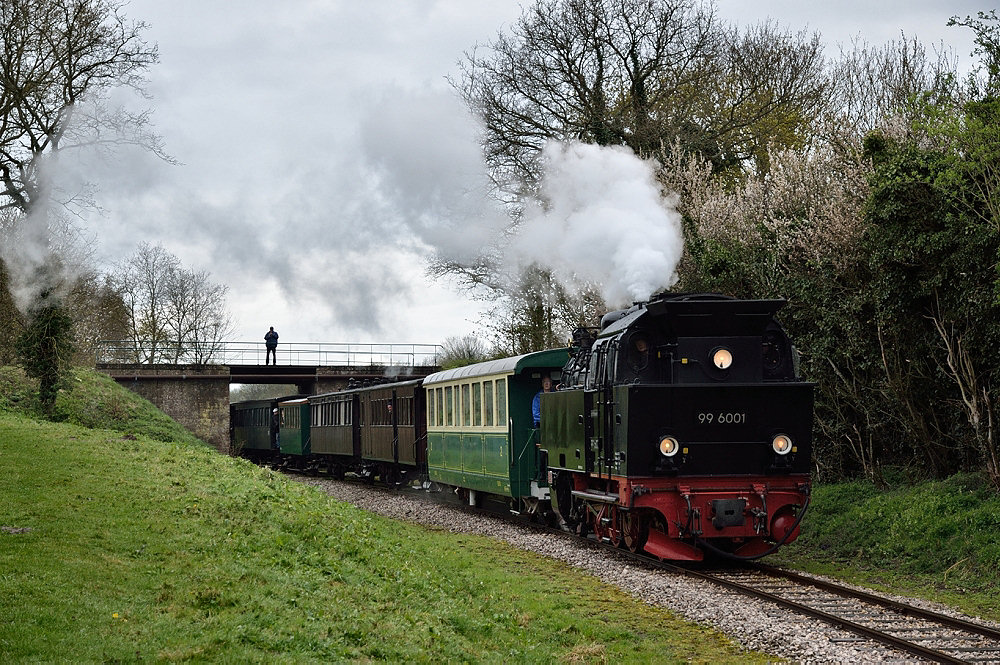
(663, 547)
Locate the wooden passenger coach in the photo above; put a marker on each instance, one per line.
(392, 428)
(333, 421)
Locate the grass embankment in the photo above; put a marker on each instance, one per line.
(92, 400)
(117, 546)
(934, 540)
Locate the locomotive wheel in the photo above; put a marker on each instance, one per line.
(635, 531)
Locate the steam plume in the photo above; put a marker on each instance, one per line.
(601, 219)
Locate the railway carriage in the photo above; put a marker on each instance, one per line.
(480, 432)
(392, 433)
(333, 431)
(293, 429)
(253, 428)
(375, 431)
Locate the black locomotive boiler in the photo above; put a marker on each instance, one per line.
(682, 427)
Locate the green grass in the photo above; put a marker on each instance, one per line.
(120, 547)
(935, 540)
(92, 400)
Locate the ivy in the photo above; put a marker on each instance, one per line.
(46, 347)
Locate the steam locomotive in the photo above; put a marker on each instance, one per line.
(681, 426)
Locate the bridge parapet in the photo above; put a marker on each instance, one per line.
(110, 352)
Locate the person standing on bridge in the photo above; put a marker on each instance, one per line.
(271, 342)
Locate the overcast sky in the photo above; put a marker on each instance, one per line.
(304, 130)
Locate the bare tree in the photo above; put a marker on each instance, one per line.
(197, 318)
(634, 73)
(872, 86)
(176, 315)
(461, 351)
(59, 59)
(143, 280)
(98, 313)
(637, 73)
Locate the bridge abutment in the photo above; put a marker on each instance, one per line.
(197, 397)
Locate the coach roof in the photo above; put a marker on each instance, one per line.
(513, 365)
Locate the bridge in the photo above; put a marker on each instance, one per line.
(191, 384)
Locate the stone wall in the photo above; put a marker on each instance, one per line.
(197, 398)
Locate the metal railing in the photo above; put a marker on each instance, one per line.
(111, 352)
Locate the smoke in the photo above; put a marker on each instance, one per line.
(599, 220)
(602, 220)
(44, 250)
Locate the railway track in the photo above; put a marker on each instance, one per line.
(879, 626)
(929, 635)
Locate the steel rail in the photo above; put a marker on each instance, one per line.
(851, 626)
(867, 632)
(916, 612)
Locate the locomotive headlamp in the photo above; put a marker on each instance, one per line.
(782, 444)
(722, 358)
(669, 446)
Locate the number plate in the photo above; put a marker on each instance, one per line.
(721, 418)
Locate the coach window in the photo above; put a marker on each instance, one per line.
(430, 408)
(440, 407)
(449, 413)
(405, 415)
(466, 406)
(501, 402)
(477, 404)
(488, 402)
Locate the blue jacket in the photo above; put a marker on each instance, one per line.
(271, 339)
(536, 408)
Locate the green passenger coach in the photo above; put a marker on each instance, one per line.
(480, 430)
(293, 431)
(251, 426)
